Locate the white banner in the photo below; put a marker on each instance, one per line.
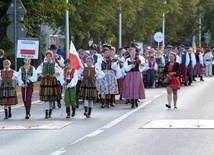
(28, 49)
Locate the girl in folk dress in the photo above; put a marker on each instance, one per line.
(8, 95)
(27, 77)
(133, 83)
(50, 89)
(107, 86)
(71, 79)
(88, 89)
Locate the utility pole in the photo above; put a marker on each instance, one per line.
(67, 31)
(120, 26)
(199, 35)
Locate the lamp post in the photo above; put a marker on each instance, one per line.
(67, 31)
(120, 26)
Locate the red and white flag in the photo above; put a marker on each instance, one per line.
(74, 57)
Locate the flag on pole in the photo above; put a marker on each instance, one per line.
(74, 57)
(193, 44)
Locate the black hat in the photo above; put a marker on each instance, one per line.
(82, 47)
(169, 46)
(133, 45)
(93, 46)
(107, 46)
(182, 46)
(53, 46)
(187, 47)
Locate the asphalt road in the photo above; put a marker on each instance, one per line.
(119, 130)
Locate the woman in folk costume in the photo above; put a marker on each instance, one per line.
(161, 63)
(88, 89)
(107, 86)
(133, 84)
(71, 79)
(120, 80)
(50, 89)
(199, 64)
(27, 77)
(8, 95)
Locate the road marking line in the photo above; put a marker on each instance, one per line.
(111, 124)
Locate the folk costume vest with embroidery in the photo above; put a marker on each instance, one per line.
(48, 69)
(66, 72)
(136, 68)
(29, 72)
(106, 65)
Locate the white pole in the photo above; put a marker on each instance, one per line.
(163, 29)
(199, 36)
(67, 31)
(15, 33)
(120, 26)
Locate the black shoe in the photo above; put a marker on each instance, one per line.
(50, 113)
(168, 106)
(89, 112)
(6, 114)
(73, 111)
(112, 105)
(59, 105)
(9, 112)
(68, 115)
(46, 114)
(121, 98)
(54, 105)
(85, 113)
(127, 102)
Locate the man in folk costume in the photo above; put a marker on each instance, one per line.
(208, 57)
(51, 78)
(184, 62)
(190, 67)
(8, 95)
(60, 61)
(167, 52)
(27, 77)
(71, 79)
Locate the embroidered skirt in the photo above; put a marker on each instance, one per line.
(88, 89)
(8, 95)
(50, 89)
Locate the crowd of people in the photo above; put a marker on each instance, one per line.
(125, 72)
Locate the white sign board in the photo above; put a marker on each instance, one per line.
(158, 37)
(28, 49)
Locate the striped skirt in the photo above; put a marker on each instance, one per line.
(50, 89)
(88, 89)
(133, 87)
(8, 95)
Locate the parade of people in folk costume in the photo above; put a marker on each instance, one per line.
(90, 75)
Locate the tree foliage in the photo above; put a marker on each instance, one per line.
(97, 20)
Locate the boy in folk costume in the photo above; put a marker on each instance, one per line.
(50, 89)
(8, 95)
(88, 90)
(71, 79)
(27, 77)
